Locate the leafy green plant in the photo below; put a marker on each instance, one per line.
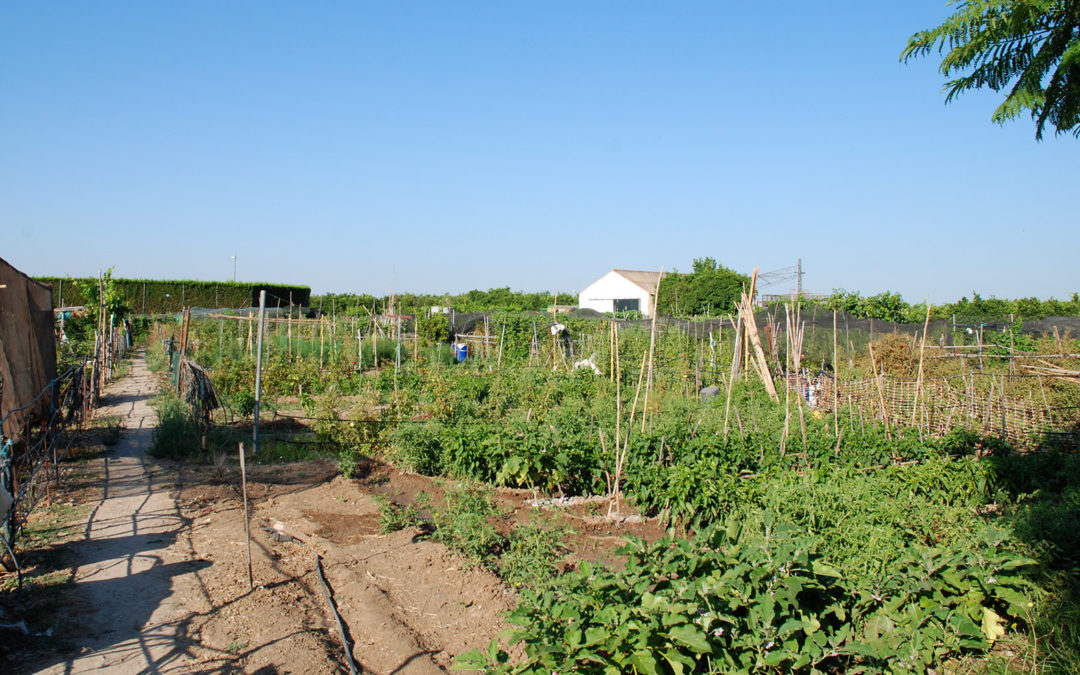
(464, 523)
(532, 553)
(112, 428)
(393, 517)
(758, 599)
(177, 433)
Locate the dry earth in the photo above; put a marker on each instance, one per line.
(161, 577)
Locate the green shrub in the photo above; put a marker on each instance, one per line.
(393, 517)
(177, 434)
(760, 599)
(531, 555)
(464, 524)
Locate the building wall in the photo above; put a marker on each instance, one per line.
(602, 294)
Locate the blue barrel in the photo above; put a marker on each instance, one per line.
(461, 351)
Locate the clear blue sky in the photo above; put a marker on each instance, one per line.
(444, 146)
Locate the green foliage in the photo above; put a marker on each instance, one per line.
(1028, 48)
(531, 555)
(494, 299)
(760, 599)
(885, 306)
(112, 428)
(352, 437)
(888, 306)
(464, 523)
(177, 433)
(711, 289)
(152, 296)
(393, 517)
(243, 403)
(434, 328)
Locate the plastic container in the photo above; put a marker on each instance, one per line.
(461, 352)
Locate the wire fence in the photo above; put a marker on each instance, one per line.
(32, 460)
(939, 404)
(32, 463)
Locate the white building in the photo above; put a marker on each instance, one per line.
(621, 291)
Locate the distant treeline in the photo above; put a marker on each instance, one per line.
(155, 296)
(491, 300)
(892, 307)
(710, 290)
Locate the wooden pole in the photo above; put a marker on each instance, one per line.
(734, 372)
(919, 378)
(652, 348)
(247, 526)
(611, 350)
(621, 458)
(836, 385)
(880, 392)
(759, 354)
(374, 344)
(502, 336)
(258, 373)
(618, 390)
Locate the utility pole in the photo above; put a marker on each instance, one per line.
(799, 282)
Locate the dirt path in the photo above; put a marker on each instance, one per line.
(161, 581)
(129, 570)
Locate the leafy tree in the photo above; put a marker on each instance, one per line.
(1029, 48)
(710, 289)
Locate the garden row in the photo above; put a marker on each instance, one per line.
(798, 549)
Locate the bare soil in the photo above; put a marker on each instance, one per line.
(160, 576)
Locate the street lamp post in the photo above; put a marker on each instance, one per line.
(234, 269)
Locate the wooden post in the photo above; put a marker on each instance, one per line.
(736, 349)
(751, 329)
(247, 526)
(611, 350)
(836, 385)
(652, 348)
(919, 378)
(618, 391)
(258, 374)
(374, 345)
(498, 362)
(880, 392)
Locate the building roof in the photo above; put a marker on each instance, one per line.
(647, 281)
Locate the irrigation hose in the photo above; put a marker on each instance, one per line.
(337, 617)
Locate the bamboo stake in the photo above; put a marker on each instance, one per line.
(836, 385)
(751, 329)
(787, 386)
(652, 347)
(733, 375)
(618, 391)
(922, 354)
(247, 527)
(881, 393)
(629, 428)
(611, 349)
(498, 361)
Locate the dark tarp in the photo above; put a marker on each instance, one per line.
(27, 347)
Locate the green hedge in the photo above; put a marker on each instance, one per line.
(149, 296)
